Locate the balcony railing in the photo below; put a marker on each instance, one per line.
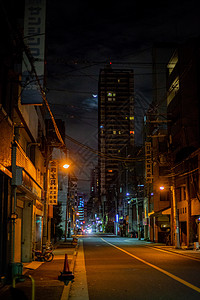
(23, 161)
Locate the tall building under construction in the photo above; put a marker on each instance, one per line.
(116, 132)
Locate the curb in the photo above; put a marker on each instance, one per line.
(67, 286)
(176, 252)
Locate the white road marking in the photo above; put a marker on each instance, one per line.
(157, 268)
(79, 288)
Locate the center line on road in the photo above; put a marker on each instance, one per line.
(157, 268)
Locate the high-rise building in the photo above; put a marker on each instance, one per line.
(116, 132)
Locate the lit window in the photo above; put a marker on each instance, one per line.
(132, 132)
(110, 171)
(131, 118)
(173, 90)
(173, 62)
(109, 94)
(114, 132)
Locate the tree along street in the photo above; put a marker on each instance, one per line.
(109, 267)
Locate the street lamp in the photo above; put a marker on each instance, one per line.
(174, 215)
(66, 166)
(67, 226)
(52, 187)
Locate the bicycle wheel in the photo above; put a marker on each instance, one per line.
(48, 256)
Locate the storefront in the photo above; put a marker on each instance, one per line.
(38, 213)
(160, 226)
(28, 226)
(195, 212)
(5, 211)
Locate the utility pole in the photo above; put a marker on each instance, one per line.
(14, 200)
(67, 225)
(138, 219)
(175, 218)
(188, 211)
(68, 216)
(46, 187)
(13, 217)
(116, 212)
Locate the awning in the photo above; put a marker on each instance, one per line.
(167, 211)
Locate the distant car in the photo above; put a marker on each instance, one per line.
(89, 230)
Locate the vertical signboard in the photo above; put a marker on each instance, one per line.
(148, 162)
(34, 38)
(53, 182)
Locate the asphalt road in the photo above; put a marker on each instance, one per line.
(122, 268)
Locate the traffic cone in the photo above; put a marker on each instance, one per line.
(66, 274)
(66, 265)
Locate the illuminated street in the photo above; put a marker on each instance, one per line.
(124, 268)
(100, 150)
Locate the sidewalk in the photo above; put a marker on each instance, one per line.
(192, 253)
(45, 275)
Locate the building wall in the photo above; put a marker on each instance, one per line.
(183, 134)
(183, 103)
(5, 210)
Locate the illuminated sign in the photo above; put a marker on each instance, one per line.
(148, 162)
(117, 218)
(53, 183)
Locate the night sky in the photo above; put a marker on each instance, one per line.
(82, 36)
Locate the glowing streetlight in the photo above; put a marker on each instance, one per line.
(162, 188)
(66, 166)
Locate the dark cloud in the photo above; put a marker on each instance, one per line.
(78, 27)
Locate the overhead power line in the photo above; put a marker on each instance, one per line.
(17, 36)
(106, 156)
(31, 60)
(63, 146)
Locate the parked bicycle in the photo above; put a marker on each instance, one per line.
(48, 246)
(45, 255)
